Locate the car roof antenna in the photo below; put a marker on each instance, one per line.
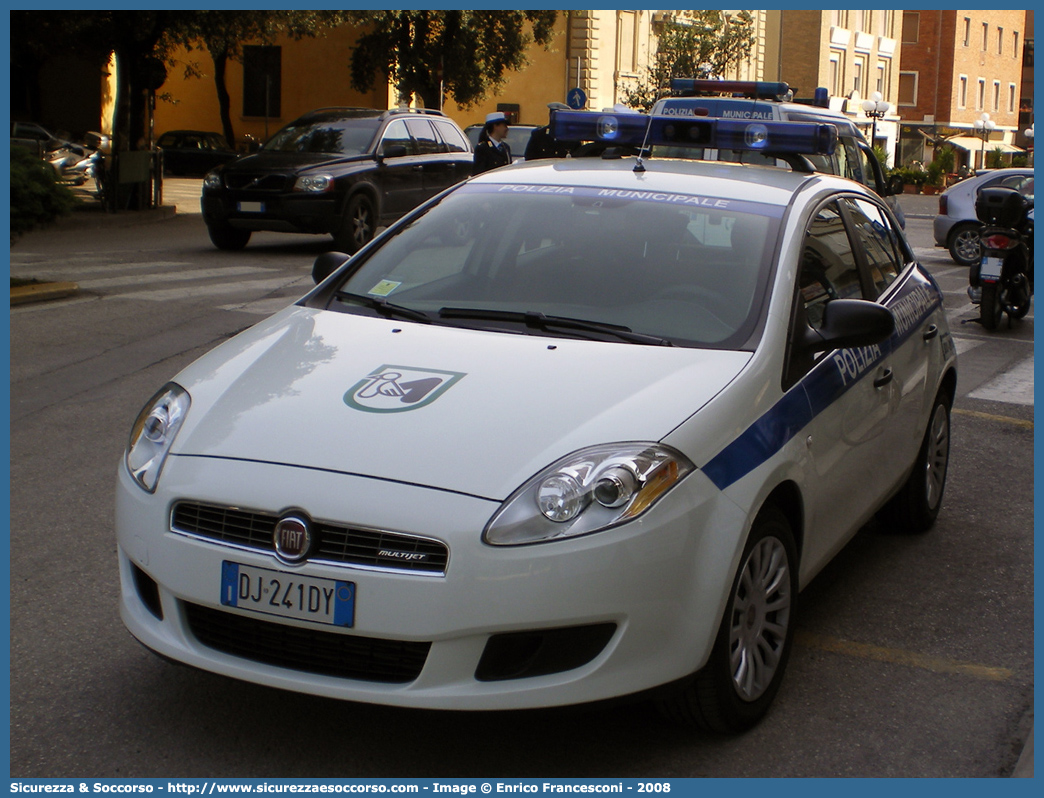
(639, 166)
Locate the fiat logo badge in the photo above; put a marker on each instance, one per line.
(292, 538)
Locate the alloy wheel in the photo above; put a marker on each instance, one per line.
(760, 618)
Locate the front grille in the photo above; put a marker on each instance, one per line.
(258, 182)
(310, 650)
(338, 544)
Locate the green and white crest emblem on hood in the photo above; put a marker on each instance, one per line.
(396, 389)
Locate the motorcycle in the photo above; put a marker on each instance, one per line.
(75, 163)
(70, 163)
(1002, 281)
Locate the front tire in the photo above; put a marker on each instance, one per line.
(734, 689)
(357, 225)
(964, 244)
(991, 307)
(916, 506)
(228, 238)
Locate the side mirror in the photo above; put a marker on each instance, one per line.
(326, 264)
(848, 323)
(392, 151)
(895, 185)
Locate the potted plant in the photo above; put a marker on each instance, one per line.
(934, 178)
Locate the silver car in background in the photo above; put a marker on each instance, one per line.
(956, 227)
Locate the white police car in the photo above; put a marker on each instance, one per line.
(572, 430)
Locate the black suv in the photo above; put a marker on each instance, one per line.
(342, 171)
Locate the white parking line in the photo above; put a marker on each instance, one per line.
(1014, 386)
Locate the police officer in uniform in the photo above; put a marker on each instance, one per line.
(492, 150)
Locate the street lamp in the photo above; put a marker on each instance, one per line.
(875, 107)
(1028, 133)
(983, 127)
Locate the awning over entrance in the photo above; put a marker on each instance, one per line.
(974, 144)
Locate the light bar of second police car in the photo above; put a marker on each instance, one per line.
(638, 130)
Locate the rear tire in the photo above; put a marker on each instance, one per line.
(734, 689)
(990, 308)
(916, 506)
(228, 238)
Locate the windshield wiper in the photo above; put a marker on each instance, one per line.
(384, 307)
(538, 321)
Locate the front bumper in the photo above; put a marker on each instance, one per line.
(285, 213)
(644, 599)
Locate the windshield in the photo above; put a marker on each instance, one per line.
(690, 270)
(341, 136)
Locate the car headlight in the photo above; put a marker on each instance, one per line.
(314, 183)
(588, 491)
(153, 434)
(212, 181)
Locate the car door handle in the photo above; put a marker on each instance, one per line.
(418, 168)
(884, 379)
(931, 332)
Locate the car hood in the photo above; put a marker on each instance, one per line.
(462, 410)
(281, 161)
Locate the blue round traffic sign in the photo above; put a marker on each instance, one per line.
(576, 99)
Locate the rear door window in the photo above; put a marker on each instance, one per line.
(424, 136)
(879, 241)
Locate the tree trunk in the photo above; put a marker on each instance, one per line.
(224, 101)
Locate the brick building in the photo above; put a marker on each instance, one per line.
(955, 67)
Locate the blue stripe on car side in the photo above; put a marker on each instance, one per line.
(819, 389)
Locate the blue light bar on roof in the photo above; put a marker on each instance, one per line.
(744, 88)
(636, 130)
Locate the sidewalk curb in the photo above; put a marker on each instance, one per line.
(41, 292)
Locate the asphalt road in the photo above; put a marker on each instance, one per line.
(914, 655)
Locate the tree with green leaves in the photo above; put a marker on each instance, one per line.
(223, 33)
(434, 54)
(706, 44)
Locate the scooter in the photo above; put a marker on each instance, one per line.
(1002, 281)
(70, 163)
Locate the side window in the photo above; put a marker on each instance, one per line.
(396, 135)
(1021, 183)
(851, 161)
(828, 264)
(423, 134)
(879, 241)
(451, 137)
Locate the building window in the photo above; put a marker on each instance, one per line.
(881, 84)
(967, 31)
(980, 97)
(835, 75)
(884, 23)
(861, 19)
(626, 30)
(857, 76)
(1000, 41)
(962, 92)
(985, 34)
(1015, 44)
(839, 19)
(1011, 98)
(996, 95)
(262, 81)
(907, 88)
(911, 27)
